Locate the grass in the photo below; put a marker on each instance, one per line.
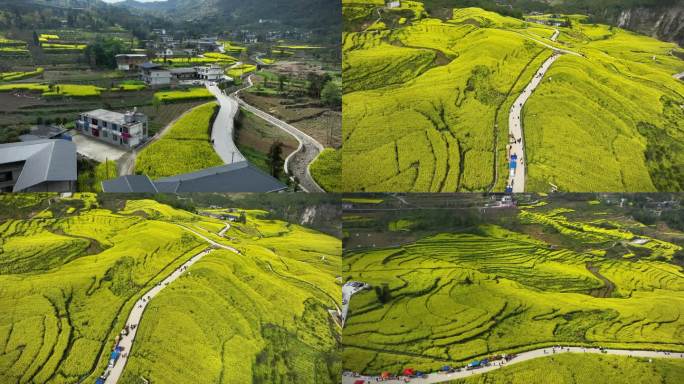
(428, 104)
(185, 148)
(58, 90)
(70, 279)
(183, 95)
(573, 368)
(551, 276)
(327, 170)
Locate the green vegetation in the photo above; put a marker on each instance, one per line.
(427, 103)
(255, 317)
(571, 368)
(183, 95)
(90, 177)
(60, 90)
(327, 170)
(11, 76)
(71, 275)
(238, 71)
(551, 275)
(185, 148)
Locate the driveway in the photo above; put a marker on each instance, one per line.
(95, 149)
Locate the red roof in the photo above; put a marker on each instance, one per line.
(409, 371)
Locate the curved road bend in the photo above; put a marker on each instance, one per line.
(297, 163)
(348, 290)
(555, 35)
(140, 306)
(517, 176)
(222, 131)
(442, 377)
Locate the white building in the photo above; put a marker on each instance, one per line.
(130, 61)
(155, 74)
(122, 129)
(210, 72)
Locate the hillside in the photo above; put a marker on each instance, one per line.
(71, 272)
(322, 15)
(428, 102)
(571, 272)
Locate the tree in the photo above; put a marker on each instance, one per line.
(331, 94)
(36, 39)
(281, 82)
(316, 83)
(274, 160)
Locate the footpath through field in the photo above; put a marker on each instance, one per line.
(113, 372)
(298, 162)
(222, 131)
(525, 356)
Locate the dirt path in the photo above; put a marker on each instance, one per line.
(298, 162)
(525, 356)
(113, 372)
(608, 286)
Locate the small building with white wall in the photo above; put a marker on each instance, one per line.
(126, 130)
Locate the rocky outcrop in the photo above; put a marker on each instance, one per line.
(664, 23)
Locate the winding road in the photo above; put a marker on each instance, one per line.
(516, 177)
(525, 356)
(516, 148)
(114, 373)
(348, 290)
(298, 162)
(222, 131)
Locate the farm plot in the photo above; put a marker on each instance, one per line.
(453, 297)
(63, 297)
(253, 317)
(183, 95)
(441, 140)
(441, 90)
(246, 318)
(185, 148)
(327, 170)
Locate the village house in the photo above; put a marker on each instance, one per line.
(122, 129)
(210, 72)
(38, 166)
(155, 74)
(130, 61)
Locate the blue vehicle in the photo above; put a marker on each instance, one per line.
(474, 364)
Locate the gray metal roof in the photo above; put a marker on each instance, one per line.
(129, 183)
(44, 160)
(236, 177)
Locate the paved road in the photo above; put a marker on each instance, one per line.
(442, 377)
(136, 313)
(348, 290)
(556, 49)
(516, 177)
(222, 131)
(555, 35)
(679, 76)
(307, 151)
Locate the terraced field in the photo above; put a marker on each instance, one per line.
(426, 101)
(185, 148)
(69, 278)
(452, 297)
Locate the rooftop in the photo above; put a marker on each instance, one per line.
(105, 115)
(236, 177)
(44, 160)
